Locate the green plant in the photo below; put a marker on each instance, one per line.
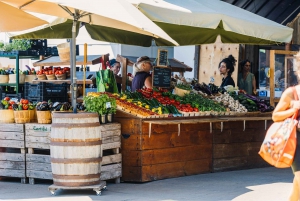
(16, 44)
(102, 104)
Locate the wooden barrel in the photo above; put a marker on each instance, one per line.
(75, 149)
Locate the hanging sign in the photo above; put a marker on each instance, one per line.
(162, 58)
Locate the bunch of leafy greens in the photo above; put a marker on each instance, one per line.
(99, 104)
(15, 44)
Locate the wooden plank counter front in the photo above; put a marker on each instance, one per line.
(154, 149)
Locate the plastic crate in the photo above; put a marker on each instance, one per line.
(45, 91)
(14, 96)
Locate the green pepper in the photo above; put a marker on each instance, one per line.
(4, 102)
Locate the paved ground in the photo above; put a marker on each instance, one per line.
(263, 184)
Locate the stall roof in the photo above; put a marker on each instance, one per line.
(176, 65)
(280, 11)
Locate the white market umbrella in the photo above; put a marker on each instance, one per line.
(14, 19)
(191, 22)
(118, 14)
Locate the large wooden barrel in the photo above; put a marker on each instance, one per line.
(75, 149)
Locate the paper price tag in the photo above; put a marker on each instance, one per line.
(108, 105)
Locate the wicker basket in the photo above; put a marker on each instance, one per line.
(51, 77)
(44, 117)
(64, 51)
(41, 77)
(7, 116)
(181, 92)
(22, 116)
(33, 116)
(3, 78)
(12, 78)
(30, 78)
(61, 76)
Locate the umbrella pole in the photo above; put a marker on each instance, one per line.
(73, 67)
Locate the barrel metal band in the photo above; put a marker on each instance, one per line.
(83, 143)
(60, 115)
(76, 160)
(74, 125)
(76, 184)
(73, 177)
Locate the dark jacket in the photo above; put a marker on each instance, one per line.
(138, 81)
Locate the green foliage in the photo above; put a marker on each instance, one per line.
(99, 104)
(16, 44)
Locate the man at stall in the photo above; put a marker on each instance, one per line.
(115, 67)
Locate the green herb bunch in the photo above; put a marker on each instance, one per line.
(16, 44)
(99, 104)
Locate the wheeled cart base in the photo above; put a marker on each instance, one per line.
(96, 188)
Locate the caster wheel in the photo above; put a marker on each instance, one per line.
(98, 193)
(104, 188)
(53, 193)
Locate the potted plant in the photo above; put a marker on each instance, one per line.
(102, 104)
(15, 45)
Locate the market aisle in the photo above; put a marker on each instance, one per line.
(263, 184)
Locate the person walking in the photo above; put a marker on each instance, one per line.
(286, 108)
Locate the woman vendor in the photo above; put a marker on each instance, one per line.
(141, 73)
(226, 68)
(246, 80)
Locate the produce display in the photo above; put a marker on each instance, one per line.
(12, 104)
(209, 100)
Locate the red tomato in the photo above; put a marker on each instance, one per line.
(196, 109)
(25, 101)
(25, 107)
(7, 98)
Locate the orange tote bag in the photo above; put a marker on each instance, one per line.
(279, 145)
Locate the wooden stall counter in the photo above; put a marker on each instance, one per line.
(161, 148)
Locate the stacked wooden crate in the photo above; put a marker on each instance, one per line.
(12, 148)
(37, 141)
(112, 159)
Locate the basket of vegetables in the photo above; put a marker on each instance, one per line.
(24, 112)
(182, 89)
(43, 112)
(3, 76)
(6, 112)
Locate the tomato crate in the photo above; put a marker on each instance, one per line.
(44, 91)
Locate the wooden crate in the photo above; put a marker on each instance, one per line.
(12, 148)
(111, 167)
(37, 141)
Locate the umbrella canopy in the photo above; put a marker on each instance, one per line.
(117, 14)
(188, 22)
(119, 20)
(14, 19)
(193, 22)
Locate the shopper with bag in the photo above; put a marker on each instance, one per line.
(289, 105)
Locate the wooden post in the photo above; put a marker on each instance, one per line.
(124, 73)
(272, 68)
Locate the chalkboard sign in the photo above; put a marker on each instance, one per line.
(161, 77)
(162, 58)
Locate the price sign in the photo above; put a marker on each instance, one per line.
(162, 58)
(108, 105)
(161, 77)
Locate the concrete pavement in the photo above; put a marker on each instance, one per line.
(262, 184)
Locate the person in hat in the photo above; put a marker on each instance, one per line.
(141, 72)
(115, 67)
